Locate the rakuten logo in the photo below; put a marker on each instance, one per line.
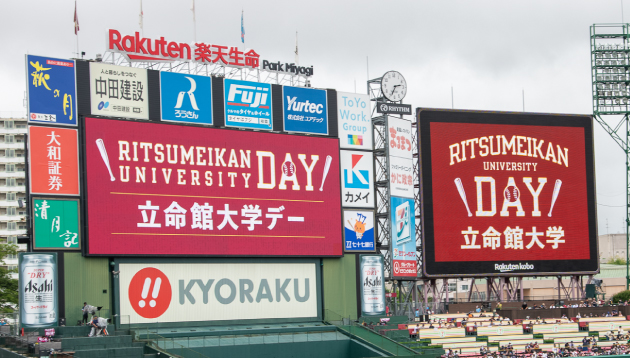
(150, 293)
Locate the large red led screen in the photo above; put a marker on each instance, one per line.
(162, 189)
(507, 193)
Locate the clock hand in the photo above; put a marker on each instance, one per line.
(394, 89)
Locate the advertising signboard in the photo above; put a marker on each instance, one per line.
(186, 98)
(56, 224)
(305, 110)
(357, 179)
(205, 191)
(354, 121)
(117, 91)
(400, 139)
(53, 160)
(51, 90)
(358, 232)
(222, 291)
(247, 104)
(401, 177)
(403, 237)
(38, 289)
(507, 193)
(372, 285)
(393, 108)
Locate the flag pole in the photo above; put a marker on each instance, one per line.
(194, 22)
(76, 27)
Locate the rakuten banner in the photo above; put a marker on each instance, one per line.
(159, 189)
(188, 292)
(507, 193)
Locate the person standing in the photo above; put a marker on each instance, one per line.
(87, 309)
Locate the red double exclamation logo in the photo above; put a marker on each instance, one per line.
(150, 292)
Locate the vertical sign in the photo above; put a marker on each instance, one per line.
(403, 237)
(357, 179)
(354, 121)
(38, 289)
(358, 230)
(117, 91)
(247, 104)
(51, 90)
(56, 224)
(400, 157)
(53, 161)
(305, 110)
(372, 285)
(186, 98)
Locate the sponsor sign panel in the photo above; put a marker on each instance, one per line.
(51, 89)
(247, 104)
(189, 292)
(507, 193)
(354, 121)
(305, 110)
(400, 139)
(204, 191)
(358, 231)
(357, 179)
(372, 285)
(56, 224)
(137, 48)
(393, 108)
(186, 98)
(37, 280)
(403, 237)
(53, 160)
(401, 177)
(117, 91)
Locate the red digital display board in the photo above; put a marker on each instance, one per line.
(161, 189)
(507, 193)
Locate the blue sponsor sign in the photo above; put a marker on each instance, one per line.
(51, 90)
(403, 236)
(186, 98)
(305, 110)
(247, 104)
(358, 231)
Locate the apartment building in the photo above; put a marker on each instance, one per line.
(13, 198)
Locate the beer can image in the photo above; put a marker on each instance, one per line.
(372, 285)
(38, 290)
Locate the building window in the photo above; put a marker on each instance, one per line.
(11, 211)
(22, 227)
(452, 287)
(11, 256)
(11, 225)
(12, 268)
(9, 153)
(12, 240)
(9, 138)
(11, 182)
(464, 287)
(9, 168)
(10, 196)
(9, 124)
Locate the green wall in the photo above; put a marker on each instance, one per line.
(86, 279)
(340, 285)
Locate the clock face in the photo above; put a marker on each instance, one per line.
(393, 86)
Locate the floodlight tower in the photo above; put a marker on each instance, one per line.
(610, 74)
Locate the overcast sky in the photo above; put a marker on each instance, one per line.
(488, 51)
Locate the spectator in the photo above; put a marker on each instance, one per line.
(99, 325)
(524, 305)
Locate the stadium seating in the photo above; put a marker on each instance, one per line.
(508, 337)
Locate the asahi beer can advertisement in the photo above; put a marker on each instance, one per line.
(226, 291)
(372, 285)
(38, 289)
(507, 193)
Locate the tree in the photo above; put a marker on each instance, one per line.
(9, 296)
(621, 296)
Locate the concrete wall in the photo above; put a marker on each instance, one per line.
(340, 285)
(611, 246)
(87, 279)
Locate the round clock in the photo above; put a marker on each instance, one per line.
(393, 86)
